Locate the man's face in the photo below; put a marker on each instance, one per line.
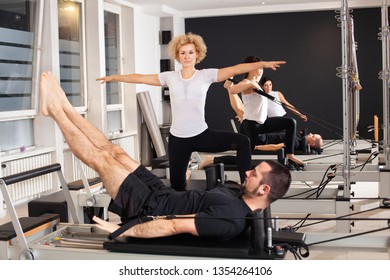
(313, 139)
(254, 178)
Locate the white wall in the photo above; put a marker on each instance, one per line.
(147, 54)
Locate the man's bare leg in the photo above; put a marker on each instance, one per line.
(109, 169)
(89, 130)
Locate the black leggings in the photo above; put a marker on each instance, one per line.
(211, 141)
(252, 129)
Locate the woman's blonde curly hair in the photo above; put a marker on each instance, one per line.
(177, 42)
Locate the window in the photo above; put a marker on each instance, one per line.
(112, 54)
(17, 52)
(16, 134)
(71, 51)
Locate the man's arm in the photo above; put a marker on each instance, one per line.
(155, 228)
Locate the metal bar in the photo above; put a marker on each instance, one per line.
(14, 216)
(385, 75)
(344, 14)
(68, 197)
(22, 176)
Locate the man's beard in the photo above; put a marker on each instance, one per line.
(244, 190)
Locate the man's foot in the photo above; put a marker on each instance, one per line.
(51, 93)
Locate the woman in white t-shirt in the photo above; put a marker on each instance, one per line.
(255, 108)
(275, 108)
(188, 89)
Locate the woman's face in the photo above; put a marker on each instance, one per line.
(267, 86)
(187, 55)
(256, 74)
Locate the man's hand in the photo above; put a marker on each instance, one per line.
(106, 226)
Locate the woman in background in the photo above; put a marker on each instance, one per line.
(255, 107)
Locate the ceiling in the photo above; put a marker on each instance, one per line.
(199, 8)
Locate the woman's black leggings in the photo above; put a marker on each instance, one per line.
(252, 129)
(211, 141)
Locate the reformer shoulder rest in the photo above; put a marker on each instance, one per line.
(7, 230)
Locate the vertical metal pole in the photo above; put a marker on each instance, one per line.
(342, 202)
(14, 217)
(384, 187)
(385, 75)
(344, 14)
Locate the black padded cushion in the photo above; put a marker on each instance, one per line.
(7, 231)
(188, 245)
(52, 203)
(249, 245)
(78, 185)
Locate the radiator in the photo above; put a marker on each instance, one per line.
(32, 188)
(89, 172)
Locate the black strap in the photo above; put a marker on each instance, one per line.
(128, 225)
(259, 91)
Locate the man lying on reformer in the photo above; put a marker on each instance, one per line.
(272, 142)
(136, 193)
(303, 141)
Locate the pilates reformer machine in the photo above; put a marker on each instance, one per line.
(45, 237)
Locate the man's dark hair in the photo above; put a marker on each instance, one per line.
(279, 180)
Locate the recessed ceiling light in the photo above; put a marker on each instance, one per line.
(262, 3)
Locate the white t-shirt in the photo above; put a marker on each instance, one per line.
(275, 109)
(188, 99)
(255, 107)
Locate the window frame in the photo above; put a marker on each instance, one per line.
(32, 113)
(83, 60)
(119, 106)
(38, 33)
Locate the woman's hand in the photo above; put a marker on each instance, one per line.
(273, 64)
(104, 80)
(228, 84)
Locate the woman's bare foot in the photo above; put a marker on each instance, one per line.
(296, 160)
